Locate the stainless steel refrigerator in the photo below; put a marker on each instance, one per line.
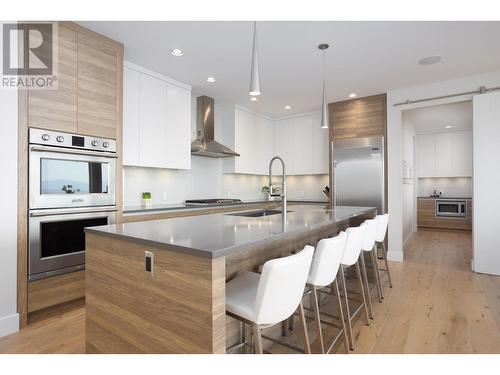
(358, 172)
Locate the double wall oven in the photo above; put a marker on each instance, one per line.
(71, 186)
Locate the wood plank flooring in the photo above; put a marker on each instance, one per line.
(437, 305)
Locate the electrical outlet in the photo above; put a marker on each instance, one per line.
(149, 262)
(164, 196)
(229, 194)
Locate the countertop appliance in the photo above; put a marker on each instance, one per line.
(211, 202)
(71, 186)
(451, 208)
(358, 172)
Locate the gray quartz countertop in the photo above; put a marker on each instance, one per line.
(218, 235)
(444, 198)
(134, 210)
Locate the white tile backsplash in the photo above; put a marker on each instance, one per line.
(206, 180)
(460, 187)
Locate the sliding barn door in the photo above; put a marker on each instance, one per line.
(486, 180)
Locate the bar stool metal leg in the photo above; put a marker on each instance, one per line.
(384, 251)
(348, 313)
(307, 345)
(358, 272)
(367, 286)
(341, 314)
(380, 291)
(317, 318)
(258, 339)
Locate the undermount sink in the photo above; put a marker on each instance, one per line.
(258, 213)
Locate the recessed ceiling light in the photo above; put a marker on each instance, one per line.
(254, 98)
(448, 126)
(176, 52)
(352, 95)
(210, 79)
(288, 107)
(430, 60)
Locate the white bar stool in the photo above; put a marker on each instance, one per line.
(271, 297)
(324, 268)
(368, 246)
(350, 258)
(383, 221)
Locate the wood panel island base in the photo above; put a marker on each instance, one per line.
(179, 307)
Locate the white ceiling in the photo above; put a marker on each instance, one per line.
(364, 57)
(436, 118)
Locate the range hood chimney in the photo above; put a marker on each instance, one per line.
(205, 144)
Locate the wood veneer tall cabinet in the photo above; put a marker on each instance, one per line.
(359, 118)
(88, 101)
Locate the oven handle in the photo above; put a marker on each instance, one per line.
(74, 151)
(52, 212)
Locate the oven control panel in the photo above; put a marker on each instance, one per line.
(60, 139)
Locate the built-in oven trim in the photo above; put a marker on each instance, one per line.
(48, 201)
(39, 268)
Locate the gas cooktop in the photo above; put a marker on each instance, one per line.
(211, 202)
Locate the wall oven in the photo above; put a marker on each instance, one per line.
(71, 186)
(451, 208)
(68, 170)
(57, 239)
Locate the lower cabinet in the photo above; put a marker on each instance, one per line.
(156, 120)
(426, 216)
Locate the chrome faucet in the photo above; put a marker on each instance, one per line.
(283, 186)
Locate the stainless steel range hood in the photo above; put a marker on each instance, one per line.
(205, 144)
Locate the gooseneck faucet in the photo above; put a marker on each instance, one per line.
(283, 186)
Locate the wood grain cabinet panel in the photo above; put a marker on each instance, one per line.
(55, 290)
(57, 108)
(359, 118)
(97, 87)
(426, 216)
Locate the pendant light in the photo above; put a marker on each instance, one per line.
(254, 73)
(324, 106)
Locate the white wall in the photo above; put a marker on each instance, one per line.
(408, 150)
(9, 319)
(457, 187)
(394, 140)
(486, 146)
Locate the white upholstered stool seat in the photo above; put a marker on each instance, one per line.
(263, 300)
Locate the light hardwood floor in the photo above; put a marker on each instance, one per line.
(436, 306)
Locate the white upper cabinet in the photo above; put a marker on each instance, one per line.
(131, 100)
(302, 144)
(284, 146)
(461, 160)
(426, 155)
(156, 120)
(178, 127)
(320, 149)
(445, 154)
(252, 139)
(153, 123)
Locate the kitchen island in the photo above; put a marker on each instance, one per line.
(177, 303)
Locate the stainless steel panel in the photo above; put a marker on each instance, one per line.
(359, 172)
(40, 267)
(39, 200)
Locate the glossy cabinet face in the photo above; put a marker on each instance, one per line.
(444, 154)
(156, 122)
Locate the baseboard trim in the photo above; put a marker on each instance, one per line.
(9, 324)
(395, 256)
